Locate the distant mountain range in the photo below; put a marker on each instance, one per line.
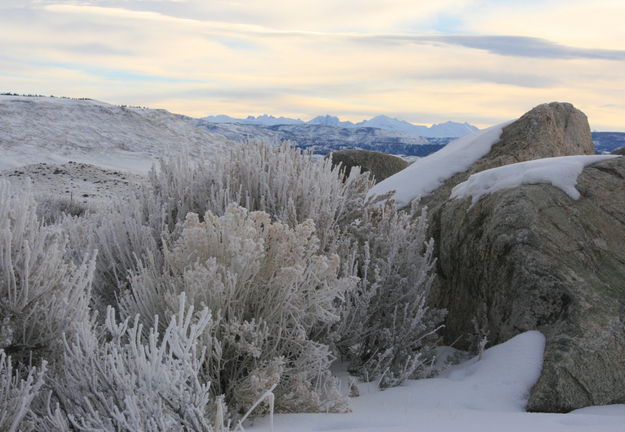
(323, 139)
(442, 130)
(607, 142)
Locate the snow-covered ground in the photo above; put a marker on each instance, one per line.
(561, 172)
(75, 182)
(480, 395)
(428, 173)
(57, 130)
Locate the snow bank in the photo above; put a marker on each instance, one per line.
(428, 173)
(480, 395)
(561, 172)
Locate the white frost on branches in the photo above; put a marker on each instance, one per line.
(269, 288)
(121, 380)
(16, 395)
(41, 291)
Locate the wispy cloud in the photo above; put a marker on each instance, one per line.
(518, 46)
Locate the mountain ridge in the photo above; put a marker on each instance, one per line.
(439, 130)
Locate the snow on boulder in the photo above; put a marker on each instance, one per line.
(427, 174)
(561, 172)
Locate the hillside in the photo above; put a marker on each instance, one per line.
(58, 130)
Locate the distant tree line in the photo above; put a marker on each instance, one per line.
(39, 95)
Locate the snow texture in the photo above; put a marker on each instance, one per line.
(481, 395)
(58, 130)
(561, 172)
(77, 182)
(427, 174)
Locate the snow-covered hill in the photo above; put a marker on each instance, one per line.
(58, 130)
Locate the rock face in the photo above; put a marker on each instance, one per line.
(548, 130)
(381, 165)
(533, 258)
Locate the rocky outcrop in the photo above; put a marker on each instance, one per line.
(548, 130)
(532, 258)
(619, 151)
(381, 165)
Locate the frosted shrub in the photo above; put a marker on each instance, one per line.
(124, 239)
(269, 289)
(52, 209)
(41, 291)
(386, 329)
(121, 380)
(281, 181)
(16, 395)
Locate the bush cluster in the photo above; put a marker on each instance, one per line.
(221, 280)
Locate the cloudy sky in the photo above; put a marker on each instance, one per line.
(424, 61)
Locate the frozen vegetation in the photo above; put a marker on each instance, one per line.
(220, 283)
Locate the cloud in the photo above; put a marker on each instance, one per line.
(95, 48)
(527, 80)
(522, 46)
(516, 46)
(421, 61)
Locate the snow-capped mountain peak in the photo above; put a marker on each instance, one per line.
(441, 130)
(329, 120)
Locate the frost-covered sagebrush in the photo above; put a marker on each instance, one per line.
(281, 181)
(270, 288)
(122, 378)
(387, 329)
(17, 394)
(41, 291)
(124, 239)
(289, 264)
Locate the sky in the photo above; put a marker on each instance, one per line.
(423, 61)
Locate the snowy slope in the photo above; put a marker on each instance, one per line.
(76, 182)
(481, 395)
(57, 130)
(428, 173)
